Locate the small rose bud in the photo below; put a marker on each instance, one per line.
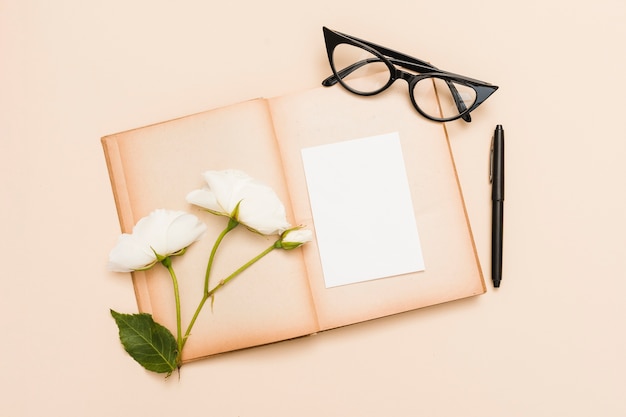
(294, 238)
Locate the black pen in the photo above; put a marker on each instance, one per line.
(497, 197)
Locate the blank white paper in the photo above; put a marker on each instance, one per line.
(362, 210)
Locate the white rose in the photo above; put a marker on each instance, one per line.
(162, 232)
(260, 209)
(295, 237)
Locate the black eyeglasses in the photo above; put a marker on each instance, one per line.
(366, 69)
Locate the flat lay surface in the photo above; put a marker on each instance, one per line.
(548, 342)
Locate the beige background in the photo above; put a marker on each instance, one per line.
(549, 342)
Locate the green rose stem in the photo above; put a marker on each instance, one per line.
(211, 293)
(241, 269)
(167, 262)
(232, 223)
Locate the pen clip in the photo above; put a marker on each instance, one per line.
(491, 161)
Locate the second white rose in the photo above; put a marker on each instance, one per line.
(260, 209)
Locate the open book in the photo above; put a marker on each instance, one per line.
(286, 294)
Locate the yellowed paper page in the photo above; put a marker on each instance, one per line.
(328, 115)
(155, 167)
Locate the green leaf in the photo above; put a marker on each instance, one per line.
(150, 344)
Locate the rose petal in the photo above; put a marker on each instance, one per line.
(130, 254)
(205, 198)
(227, 187)
(152, 229)
(183, 231)
(298, 236)
(262, 210)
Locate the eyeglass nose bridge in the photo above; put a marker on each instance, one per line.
(403, 75)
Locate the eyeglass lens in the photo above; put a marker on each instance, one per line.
(366, 73)
(359, 69)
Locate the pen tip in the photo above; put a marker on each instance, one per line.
(498, 127)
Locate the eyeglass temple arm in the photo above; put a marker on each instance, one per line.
(395, 54)
(460, 104)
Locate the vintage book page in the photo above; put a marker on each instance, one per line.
(155, 167)
(452, 269)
